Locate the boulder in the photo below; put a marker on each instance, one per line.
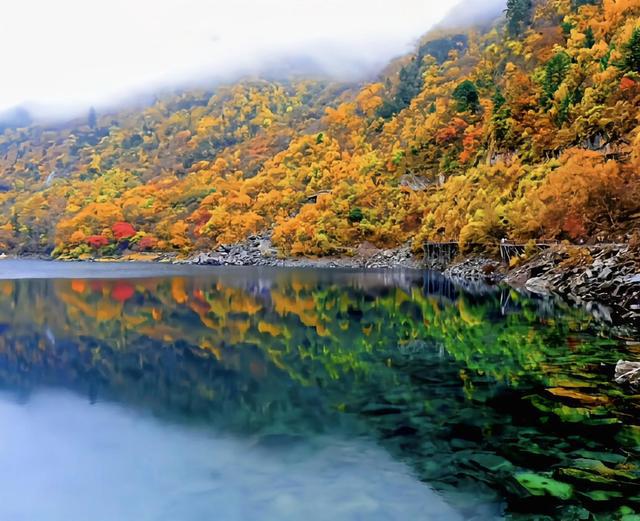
(538, 286)
(628, 373)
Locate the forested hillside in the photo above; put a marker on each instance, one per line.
(527, 129)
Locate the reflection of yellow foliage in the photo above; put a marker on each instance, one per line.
(297, 285)
(177, 290)
(108, 310)
(160, 331)
(467, 315)
(133, 321)
(238, 329)
(209, 322)
(219, 307)
(72, 301)
(284, 304)
(6, 288)
(207, 345)
(244, 304)
(322, 331)
(271, 329)
(578, 396)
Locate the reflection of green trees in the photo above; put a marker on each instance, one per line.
(299, 354)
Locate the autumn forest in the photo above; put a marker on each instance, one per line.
(526, 128)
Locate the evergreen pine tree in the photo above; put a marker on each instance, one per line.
(589, 38)
(518, 15)
(632, 51)
(92, 118)
(555, 72)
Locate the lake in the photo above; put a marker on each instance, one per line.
(152, 392)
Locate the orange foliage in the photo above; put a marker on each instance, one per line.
(585, 191)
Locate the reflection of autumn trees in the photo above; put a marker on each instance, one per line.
(493, 124)
(329, 329)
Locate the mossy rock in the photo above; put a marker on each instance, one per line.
(602, 495)
(538, 485)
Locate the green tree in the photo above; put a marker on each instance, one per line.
(500, 118)
(631, 51)
(92, 119)
(411, 75)
(356, 215)
(566, 27)
(518, 15)
(466, 95)
(589, 38)
(555, 72)
(579, 3)
(410, 83)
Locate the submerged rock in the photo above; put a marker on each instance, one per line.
(538, 485)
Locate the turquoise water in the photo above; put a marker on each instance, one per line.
(165, 393)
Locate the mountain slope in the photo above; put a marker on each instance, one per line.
(528, 129)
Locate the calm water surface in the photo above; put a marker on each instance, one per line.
(165, 393)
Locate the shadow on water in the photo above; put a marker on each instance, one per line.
(500, 403)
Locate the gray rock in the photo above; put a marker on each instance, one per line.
(628, 373)
(605, 273)
(538, 285)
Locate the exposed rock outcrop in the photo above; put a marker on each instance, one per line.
(477, 269)
(259, 251)
(605, 279)
(255, 251)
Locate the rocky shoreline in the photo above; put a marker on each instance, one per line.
(604, 279)
(477, 269)
(259, 251)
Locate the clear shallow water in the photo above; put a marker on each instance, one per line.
(280, 394)
(64, 459)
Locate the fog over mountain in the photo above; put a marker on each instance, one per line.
(69, 54)
(473, 12)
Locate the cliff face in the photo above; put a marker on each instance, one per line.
(528, 128)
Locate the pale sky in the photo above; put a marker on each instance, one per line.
(67, 53)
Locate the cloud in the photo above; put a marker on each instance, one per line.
(64, 54)
(474, 13)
